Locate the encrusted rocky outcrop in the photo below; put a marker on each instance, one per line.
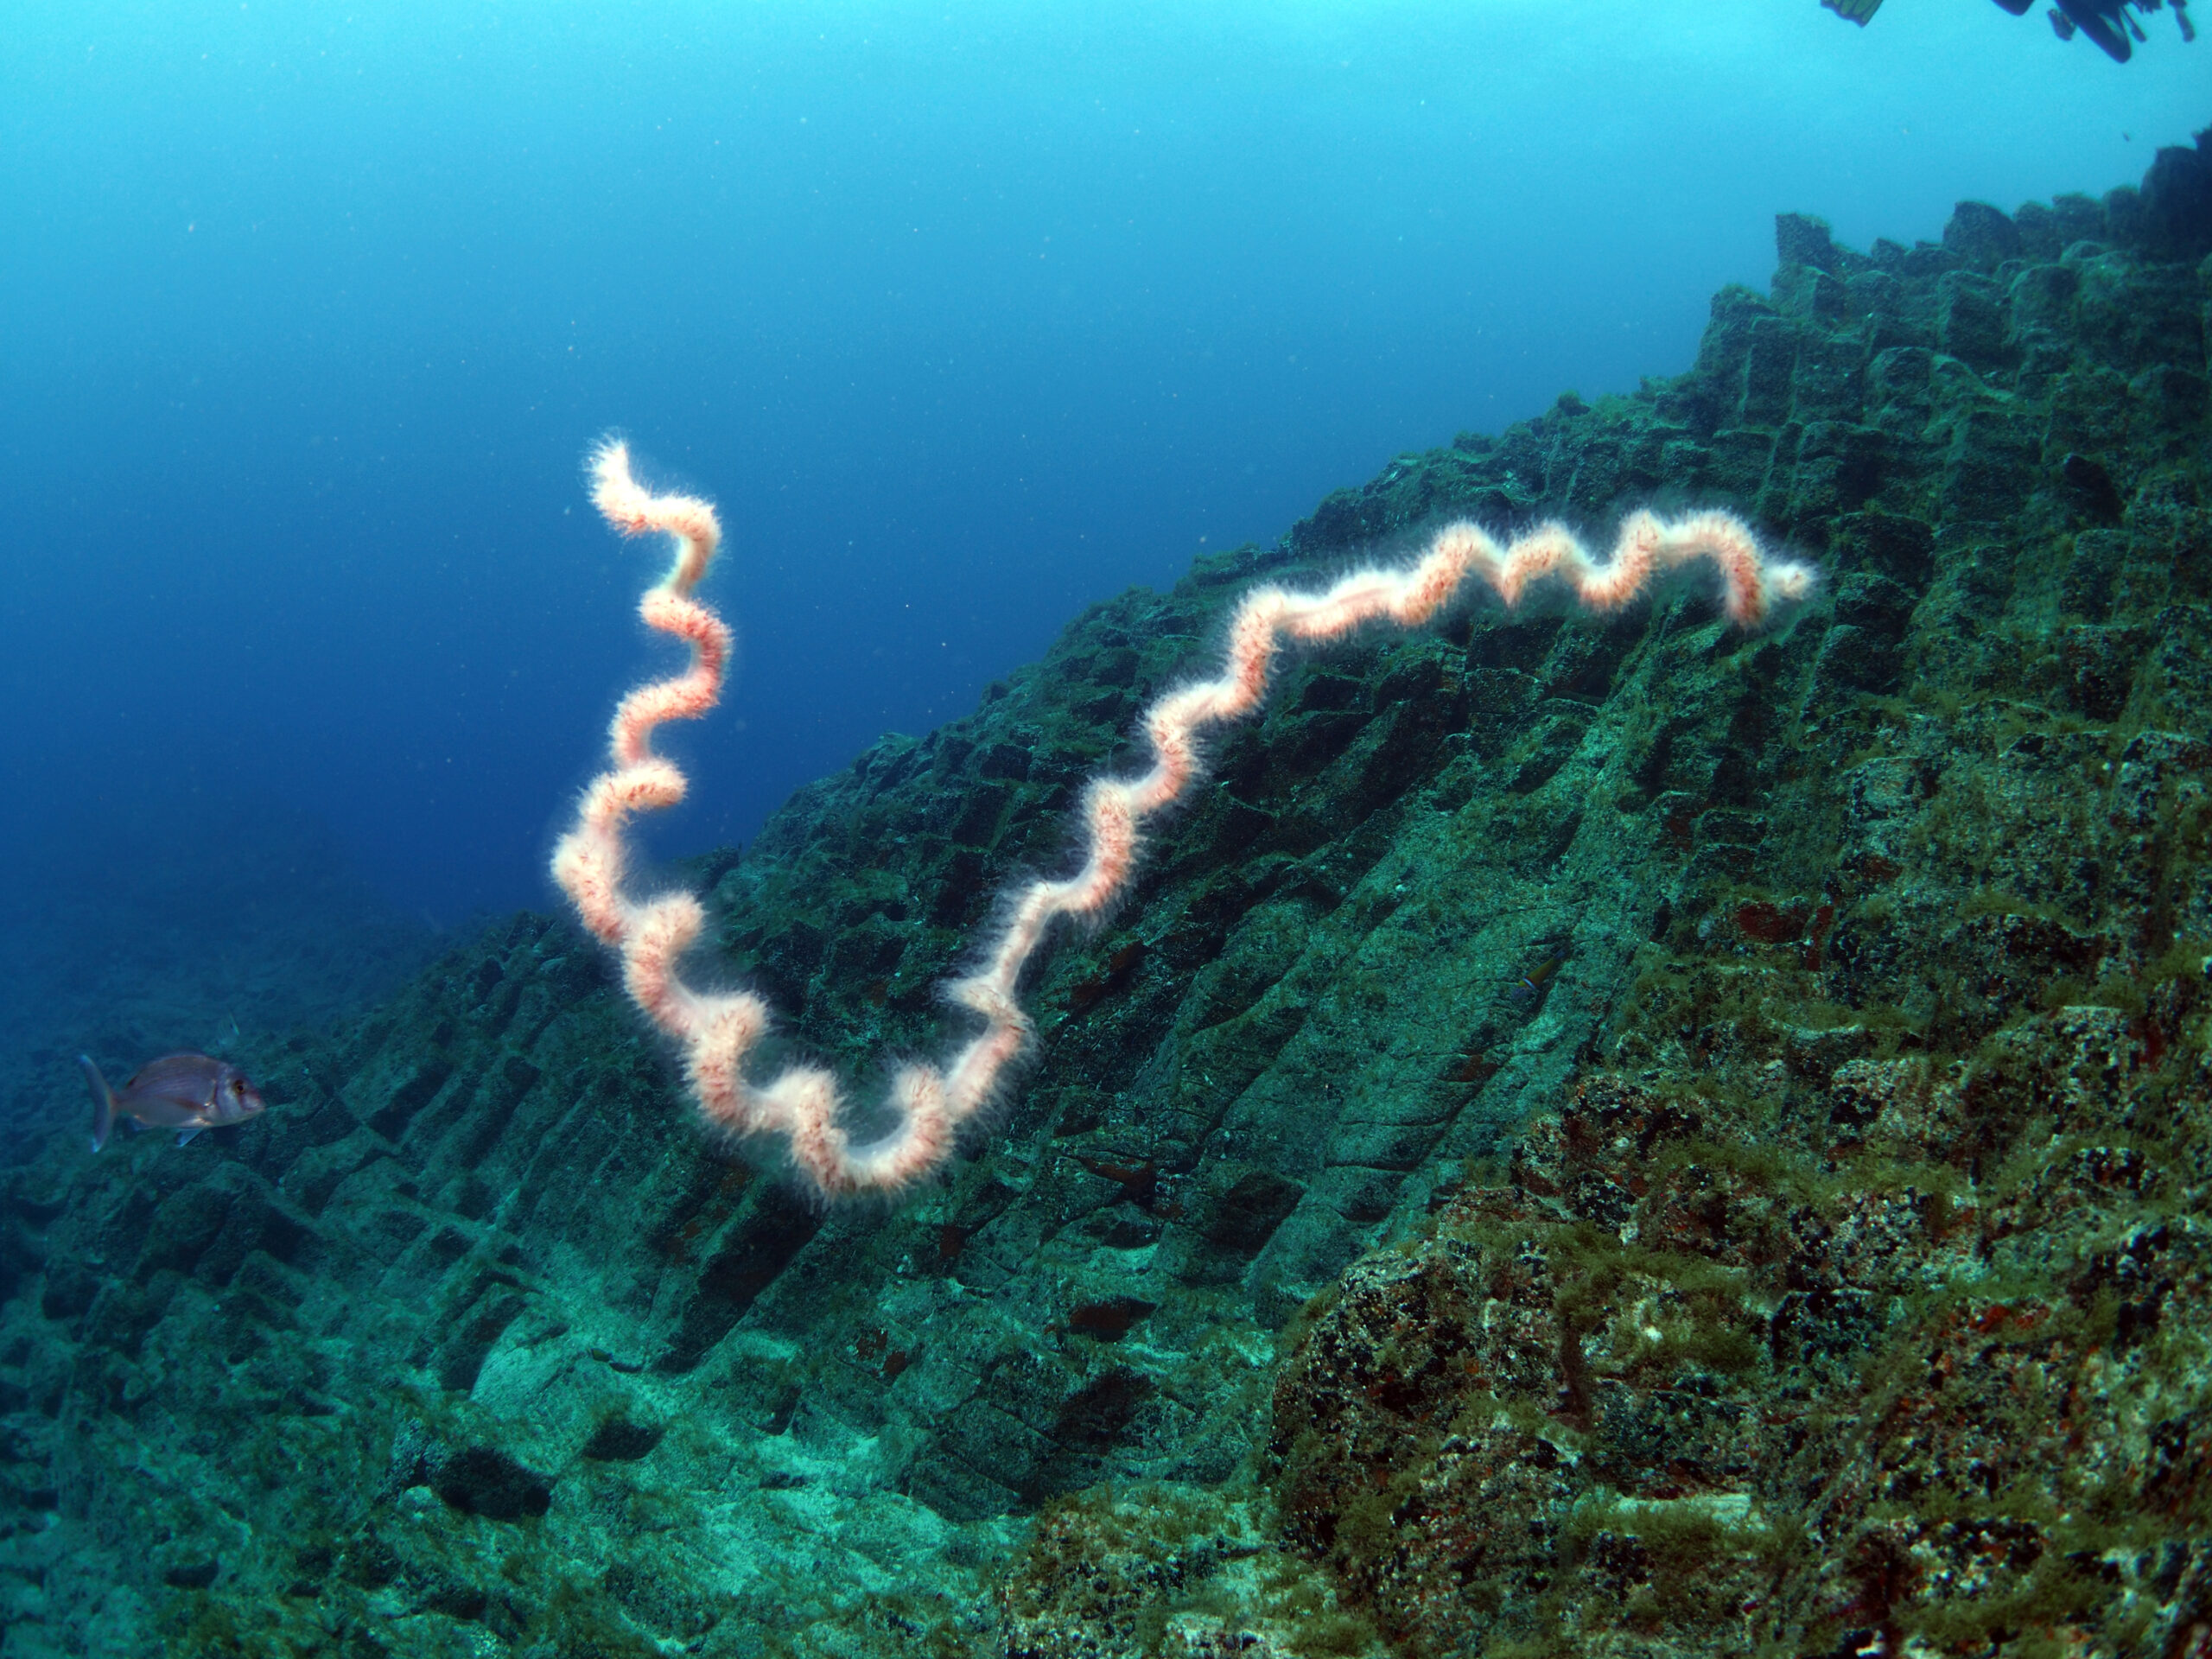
(1848, 1287)
(1900, 1354)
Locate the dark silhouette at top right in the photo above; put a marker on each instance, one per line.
(2108, 23)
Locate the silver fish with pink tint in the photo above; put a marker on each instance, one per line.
(189, 1092)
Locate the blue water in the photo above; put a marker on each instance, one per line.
(967, 315)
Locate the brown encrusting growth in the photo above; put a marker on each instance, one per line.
(1908, 1351)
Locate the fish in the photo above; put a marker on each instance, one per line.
(190, 1092)
(1531, 984)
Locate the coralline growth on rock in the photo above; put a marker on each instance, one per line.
(803, 1103)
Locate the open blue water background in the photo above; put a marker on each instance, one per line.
(966, 315)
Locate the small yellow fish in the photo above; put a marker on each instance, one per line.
(1531, 984)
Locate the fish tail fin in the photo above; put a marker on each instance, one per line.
(103, 1102)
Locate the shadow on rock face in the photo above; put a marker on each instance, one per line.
(481, 1480)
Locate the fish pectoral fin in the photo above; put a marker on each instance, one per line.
(185, 1139)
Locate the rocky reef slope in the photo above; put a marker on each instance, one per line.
(1614, 1138)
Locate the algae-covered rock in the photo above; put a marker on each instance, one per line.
(1615, 1136)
